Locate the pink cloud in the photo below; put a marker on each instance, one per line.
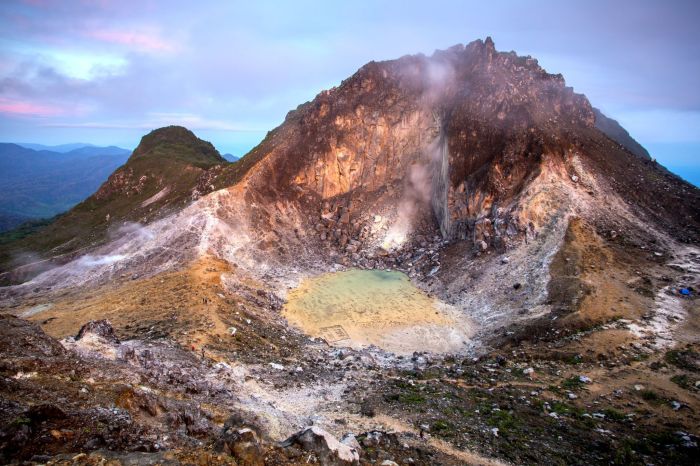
(138, 40)
(15, 107)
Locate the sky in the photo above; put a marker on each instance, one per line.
(108, 71)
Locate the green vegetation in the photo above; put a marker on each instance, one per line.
(172, 158)
(682, 381)
(650, 396)
(684, 359)
(505, 421)
(573, 360)
(176, 143)
(572, 383)
(24, 230)
(441, 426)
(20, 421)
(613, 414)
(411, 398)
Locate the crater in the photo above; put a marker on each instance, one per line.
(358, 308)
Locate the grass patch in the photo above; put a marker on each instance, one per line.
(684, 359)
(20, 421)
(441, 426)
(573, 360)
(411, 398)
(572, 383)
(614, 415)
(651, 396)
(565, 409)
(504, 420)
(682, 381)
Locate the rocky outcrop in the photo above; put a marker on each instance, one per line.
(327, 449)
(101, 329)
(451, 142)
(20, 338)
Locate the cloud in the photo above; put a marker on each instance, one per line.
(23, 108)
(157, 120)
(137, 41)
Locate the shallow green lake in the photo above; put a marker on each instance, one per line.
(374, 307)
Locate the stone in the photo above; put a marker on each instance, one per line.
(327, 448)
(351, 441)
(100, 328)
(244, 445)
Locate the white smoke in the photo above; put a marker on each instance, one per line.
(92, 261)
(130, 230)
(439, 76)
(416, 195)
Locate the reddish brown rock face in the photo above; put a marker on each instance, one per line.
(454, 140)
(459, 133)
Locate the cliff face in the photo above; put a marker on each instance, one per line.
(426, 164)
(454, 139)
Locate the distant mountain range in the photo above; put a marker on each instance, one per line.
(62, 148)
(38, 181)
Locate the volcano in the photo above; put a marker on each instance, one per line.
(537, 237)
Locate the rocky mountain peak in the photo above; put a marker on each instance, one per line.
(178, 142)
(457, 135)
(170, 168)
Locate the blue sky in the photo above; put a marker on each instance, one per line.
(108, 71)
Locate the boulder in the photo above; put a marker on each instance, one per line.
(244, 445)
(327, 448)
(99, 328)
